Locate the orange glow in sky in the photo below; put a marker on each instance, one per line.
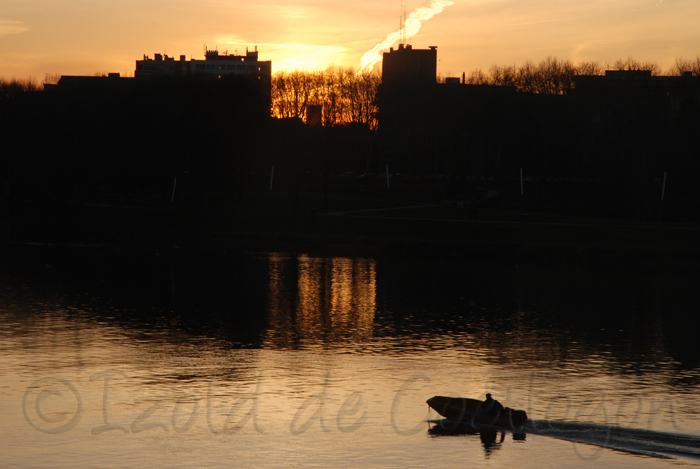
(88, 36)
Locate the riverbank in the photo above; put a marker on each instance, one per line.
(364, 225)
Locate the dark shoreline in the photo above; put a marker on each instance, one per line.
(431, 231)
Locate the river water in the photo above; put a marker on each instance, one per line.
(175, 357)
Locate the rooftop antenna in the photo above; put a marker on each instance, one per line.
(400, 29)
(405, 17)
(402, 23)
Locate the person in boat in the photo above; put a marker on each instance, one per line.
(491, 406)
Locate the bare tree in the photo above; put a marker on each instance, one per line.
(51, 78)
(631, 64)
(590, 68)
(345, 96)
(289, 94)
(555, 76)
(506, 75)
(14, 87)
(477, 77)
(527, 78)
(682, 65)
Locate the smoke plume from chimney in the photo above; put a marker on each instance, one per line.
(413, 24)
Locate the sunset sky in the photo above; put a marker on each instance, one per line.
(71, 37)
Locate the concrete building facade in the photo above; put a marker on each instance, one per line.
(215, 64)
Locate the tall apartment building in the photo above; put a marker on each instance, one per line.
(408, 65)
(215, 64)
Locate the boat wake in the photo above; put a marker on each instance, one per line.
(629, 440)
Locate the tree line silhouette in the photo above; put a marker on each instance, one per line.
(347, 96)
(10, 89)
(555, 76)
(344, 95)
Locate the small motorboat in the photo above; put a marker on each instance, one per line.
(465, 410)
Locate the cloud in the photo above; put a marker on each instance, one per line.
(8, 27)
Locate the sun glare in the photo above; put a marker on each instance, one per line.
(303, 57)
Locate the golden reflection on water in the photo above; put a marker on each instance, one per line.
(316, 299)
(60, 349)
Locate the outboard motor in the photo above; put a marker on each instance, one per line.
(518, 417)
